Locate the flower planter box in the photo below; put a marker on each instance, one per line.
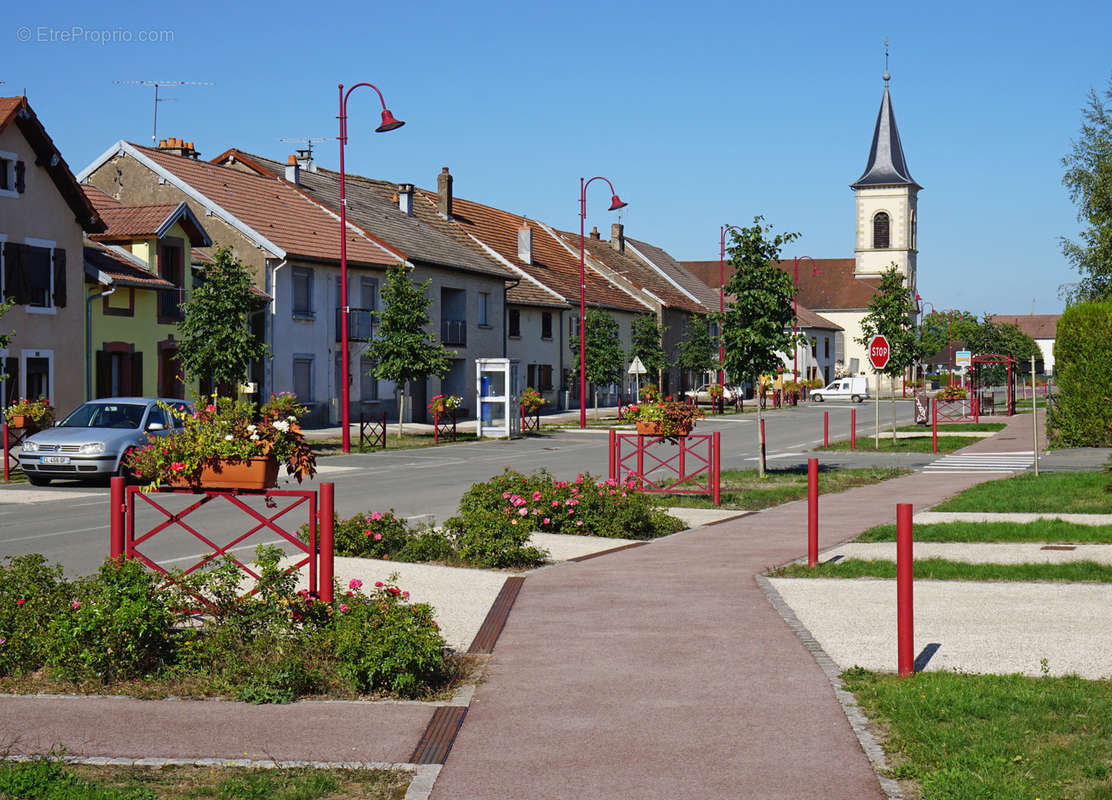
(25, 423)
(255, 473)
(653, 429)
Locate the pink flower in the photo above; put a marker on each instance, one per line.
(378, 584)
(405, 595)
(375, 516)
(555, 503)
(571, 510)
(210, 407)
(355, 583)
(547, 520)
(76, 604)
(177, 466)
(505, 495)
(20, 601)
(378, 536)
(521, 512)
(537, 495)
(368, 532)
(343, 608)
(579, 522)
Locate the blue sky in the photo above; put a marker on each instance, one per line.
(701, 113)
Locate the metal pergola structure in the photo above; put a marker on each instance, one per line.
(981, 393)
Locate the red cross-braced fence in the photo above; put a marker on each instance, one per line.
(161, 517)
(444, 425)
(372, 431)
(12, 437)
(961, 410)
(531, 420)
(681, 465)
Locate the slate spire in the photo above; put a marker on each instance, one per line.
(886, 166)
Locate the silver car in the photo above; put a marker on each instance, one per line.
(92, 441)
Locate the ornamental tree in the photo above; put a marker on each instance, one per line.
(404, 351)
(605, 359)
(216, 339)
(647, 337)
(695, 352)
(892, 313)
(756, 324)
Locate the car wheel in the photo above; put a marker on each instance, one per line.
(817, 398)
(856, 398)
(122, 471)
(38, 480)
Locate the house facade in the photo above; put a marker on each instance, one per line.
(43, 218)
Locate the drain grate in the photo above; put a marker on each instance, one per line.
(1058, 547)
(496, 618)
(436, 742)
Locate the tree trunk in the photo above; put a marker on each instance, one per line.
(893, 418)
(401, 408)
(595, 392)
(760, 442)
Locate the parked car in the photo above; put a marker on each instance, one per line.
(92, 440)
(702, 394)
(855, 389)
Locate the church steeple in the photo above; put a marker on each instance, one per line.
(887, 165)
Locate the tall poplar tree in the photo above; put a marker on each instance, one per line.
(605, 359)
(892, 313)
(647, 345)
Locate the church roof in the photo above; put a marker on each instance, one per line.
(887, 165)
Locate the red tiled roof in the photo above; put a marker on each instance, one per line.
(99, 198)
(1037, 326)
(277, 211)
(121, 270)
(132, 222)
(834, 288)
(553, 266)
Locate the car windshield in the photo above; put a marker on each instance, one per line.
(105, 415)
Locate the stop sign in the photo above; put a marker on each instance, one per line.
(878, 352)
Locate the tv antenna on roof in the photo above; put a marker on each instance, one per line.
(308, 142)
(157, 99)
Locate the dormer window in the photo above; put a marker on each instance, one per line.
(881, 226)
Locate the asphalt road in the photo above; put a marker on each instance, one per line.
(68, 523)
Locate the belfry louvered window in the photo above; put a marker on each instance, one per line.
(880, 231)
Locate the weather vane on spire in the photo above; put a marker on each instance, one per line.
(887, 76)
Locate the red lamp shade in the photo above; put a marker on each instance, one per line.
(388, 122)
(616, 203)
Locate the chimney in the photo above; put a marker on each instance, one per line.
(178, 147)
(305, 160)
(293, 171)
(525, 242)
(444, 193)
(405, 198)
(594, 234)
(617, 237)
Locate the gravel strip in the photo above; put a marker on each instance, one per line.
(980, 627)
(1012, 553)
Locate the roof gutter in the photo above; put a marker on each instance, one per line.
(89, 331)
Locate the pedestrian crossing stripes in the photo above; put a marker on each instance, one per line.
(982, 462)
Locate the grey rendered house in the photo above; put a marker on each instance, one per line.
(290, 244)
(43, 216)
(468, 286)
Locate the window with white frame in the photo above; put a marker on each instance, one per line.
(11, 175)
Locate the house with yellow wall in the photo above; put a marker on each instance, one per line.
(137, 277)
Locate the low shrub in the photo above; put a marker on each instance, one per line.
(492, 539)
(375, 534)
(32, 593)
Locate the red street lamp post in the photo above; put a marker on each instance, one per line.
(795, 317)
(388, 124)
(722, 231)
(615, 204)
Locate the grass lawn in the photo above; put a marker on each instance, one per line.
(743, 489)
(946, 444)
(1057, 492)
(940, 569)
(1005, 737)
(49, 779)
(972, 427)
(1043, 531)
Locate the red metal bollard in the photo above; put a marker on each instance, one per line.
(613, 455)
(812, 512)
(116, 517)
(826, 429)
(853, 429)
(640, 461)
(934, 425)
(436, 426)
(4, 434)
(905, 616)
(327, 560)
(716, 468)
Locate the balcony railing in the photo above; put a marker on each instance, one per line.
(453, 331)
(169, 304)
(360, 327)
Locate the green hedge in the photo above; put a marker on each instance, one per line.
(1082, 413)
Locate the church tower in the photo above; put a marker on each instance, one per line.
(886, 199)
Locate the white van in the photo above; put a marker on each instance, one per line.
(855, 389)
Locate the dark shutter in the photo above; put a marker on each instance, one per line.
(137, 374)
(59, 277)
(104, 375)
(15, 273)
(20, 174)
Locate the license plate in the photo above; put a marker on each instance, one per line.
(55, 459)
